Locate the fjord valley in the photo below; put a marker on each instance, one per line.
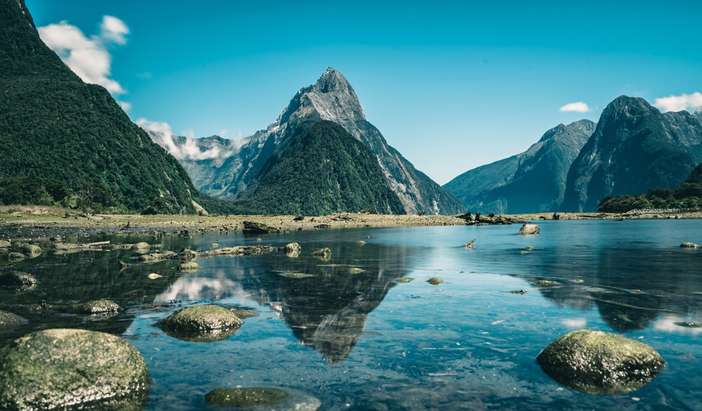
(309, 264)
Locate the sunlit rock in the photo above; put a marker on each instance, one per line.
(600, 363)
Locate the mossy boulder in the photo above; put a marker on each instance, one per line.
(29, 250)
(261, 398)
(102, 306)
(9, 320)
(69, 368)
(600, 363)
(202, 323)
(293, 249)
(18, 280)
(4, 244)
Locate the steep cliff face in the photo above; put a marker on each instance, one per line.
(67, 142)
(332, 99)
(634, 148)
(531, 181)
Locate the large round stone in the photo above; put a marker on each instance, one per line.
(202, 323)
(62, 368)
(600, 363)
(261, 398)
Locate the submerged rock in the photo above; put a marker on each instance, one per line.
(15, 256)
(293, 249)
(262, 398)
(323, 253)
(62, 368)
(188, 266)
(470, 244)
(689, 244)
(28, 250)
(600, 363)
(521, 291)
(405, 280)
(154, 276)
(547, 283)
(202, 323)
(9, 320)
(529, 229)
(360, 243)
(435, 281)
(18, 280)
(141, 247)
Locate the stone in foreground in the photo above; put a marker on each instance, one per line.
(68, 368)
(529, 229)
(202, 323)
(597, 362)
(9, 320)
(261, 398)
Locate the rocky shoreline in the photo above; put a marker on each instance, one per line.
(34, 222)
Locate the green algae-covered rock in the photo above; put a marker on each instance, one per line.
(101, 306)
(261, 398)
(67, 368)
(202, 323)
(9, 320)
(600, 363)
(29, 250)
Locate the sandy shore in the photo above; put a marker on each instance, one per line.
(38, 221)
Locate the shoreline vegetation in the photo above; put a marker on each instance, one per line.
(44, 221)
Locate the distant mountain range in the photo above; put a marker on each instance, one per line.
(66, 142)
(270, 171)
(633, 148)
(531, 181)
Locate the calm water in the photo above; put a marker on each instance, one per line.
(368, 341)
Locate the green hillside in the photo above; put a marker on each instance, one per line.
(68, 143)
(321, 170)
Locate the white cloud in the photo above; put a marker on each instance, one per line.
(88, 57)
(575, 107)
(162, 134)
(690, 102)
(113, 29)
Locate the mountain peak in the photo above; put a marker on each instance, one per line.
(331, 98)
(332, 80)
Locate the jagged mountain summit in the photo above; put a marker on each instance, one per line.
(331, 99)
(69, 143)
(634, 148)
(532, 181)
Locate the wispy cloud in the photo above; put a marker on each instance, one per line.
(575, 107)
(162, 134)
(88, 57)
(690, 102)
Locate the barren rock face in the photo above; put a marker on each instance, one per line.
(600, 363)
(61, 368)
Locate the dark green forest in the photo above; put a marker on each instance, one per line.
(687, 196)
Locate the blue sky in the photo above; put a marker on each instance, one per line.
(452, 85)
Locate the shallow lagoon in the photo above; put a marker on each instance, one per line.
(371, 340)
